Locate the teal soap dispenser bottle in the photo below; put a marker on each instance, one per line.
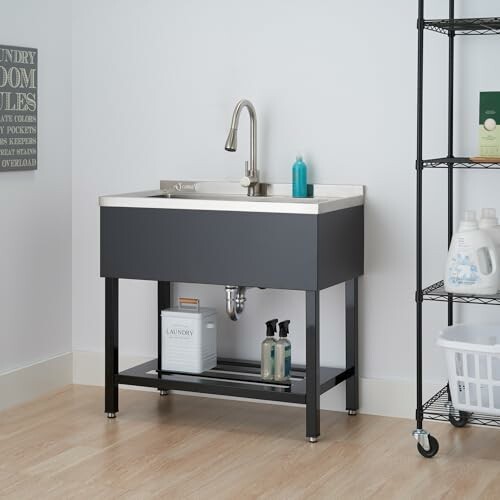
(299, 175)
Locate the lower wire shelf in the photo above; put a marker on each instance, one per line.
(231, 377)
(439, 407)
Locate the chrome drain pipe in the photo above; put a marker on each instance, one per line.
(235, 301)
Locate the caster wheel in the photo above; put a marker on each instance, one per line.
(460, 421)
(434, 448)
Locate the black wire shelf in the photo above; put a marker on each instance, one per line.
(472, 26)
(439, 407)
(232, 377)
(465, 163)
(437, 293)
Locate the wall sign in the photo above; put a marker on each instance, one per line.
(18, 108)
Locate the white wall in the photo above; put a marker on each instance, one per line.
(155, 84)
(35, 207)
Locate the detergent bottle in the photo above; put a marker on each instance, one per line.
(472, 264)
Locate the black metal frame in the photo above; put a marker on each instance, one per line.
(111, 346)
(240, 378)
(435, 408)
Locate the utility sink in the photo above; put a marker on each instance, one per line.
(230, 196)
(241, 235)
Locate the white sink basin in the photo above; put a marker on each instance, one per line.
(230, 196)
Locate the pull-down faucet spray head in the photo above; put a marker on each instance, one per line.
(232, 140)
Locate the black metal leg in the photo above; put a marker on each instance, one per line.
(163, 303)
(312, 366)
(451, 112)
(111, 347)
(351, 344)
(420, 118)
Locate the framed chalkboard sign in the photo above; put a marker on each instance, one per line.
(18, 108)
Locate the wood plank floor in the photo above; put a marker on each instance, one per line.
(62, 447)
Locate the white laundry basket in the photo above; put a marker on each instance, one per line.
(473, 361)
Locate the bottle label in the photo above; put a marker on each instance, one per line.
(267, 362)
(288, 360)
(462, 270)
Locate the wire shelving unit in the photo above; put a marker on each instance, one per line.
(440, 407)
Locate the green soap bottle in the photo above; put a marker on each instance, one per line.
(283, 355)
(267, 351)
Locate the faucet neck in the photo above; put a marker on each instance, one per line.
(244, 103)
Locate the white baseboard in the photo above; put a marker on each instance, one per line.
(30, 382)
(88, 367)
(391, 398)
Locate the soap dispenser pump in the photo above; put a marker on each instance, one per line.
(268, 351)
(283, 354)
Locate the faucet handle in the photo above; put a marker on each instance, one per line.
(246, 181)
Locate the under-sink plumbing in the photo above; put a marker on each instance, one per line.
(235, 301)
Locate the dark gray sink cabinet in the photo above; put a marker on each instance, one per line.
(268, 250)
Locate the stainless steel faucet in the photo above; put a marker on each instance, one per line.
(251, 177)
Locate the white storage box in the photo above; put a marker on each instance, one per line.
(189, 338)
(473, 362)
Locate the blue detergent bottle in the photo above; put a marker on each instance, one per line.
(299, 174)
